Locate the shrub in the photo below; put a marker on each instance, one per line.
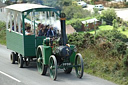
(77, 25)
(115, 25)
(2, 33)
(2, 25)
(76, 39)
(108, 15)
(113, 35)
(123, 28)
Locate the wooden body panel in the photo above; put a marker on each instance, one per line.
(24, 45)
(29, 45)
(15, 42)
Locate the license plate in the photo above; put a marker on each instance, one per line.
(65, 64)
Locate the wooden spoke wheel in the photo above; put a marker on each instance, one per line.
(68, 70)
(79, 66)
(53, 67)
(20, 61)
(13, 57)
(42, 69)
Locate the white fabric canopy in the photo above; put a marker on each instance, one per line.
(24, 7)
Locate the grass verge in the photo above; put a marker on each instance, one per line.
(108, 27)
(102, 67)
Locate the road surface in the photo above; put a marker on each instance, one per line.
(122, 13)
(10, 74)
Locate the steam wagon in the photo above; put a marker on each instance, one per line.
(51, 53)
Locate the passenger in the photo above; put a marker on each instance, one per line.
(25, 25)
(50, 32)
(41, 32)
(38, 29)
(55, 31)
(28, 31)
(46, 30)
(13, 26)
(17, 28)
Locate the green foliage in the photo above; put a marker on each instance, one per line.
(75, 12)
(2, 33)
(108, 15)
(76, 39)
(69, 22)
(115, 25)
(95, 13)
(125, 62)
(92, 2)
(126, 3)
(112, 35)
(77, 25)
(123, 28)
(2, 25)
(104, 23)
(63, 3)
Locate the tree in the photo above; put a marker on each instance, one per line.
(108, 15)
(75, 12)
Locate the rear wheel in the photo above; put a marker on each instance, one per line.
(53, 67)
(79, 66)
(13, 57)
(20, 61)
(42, 69)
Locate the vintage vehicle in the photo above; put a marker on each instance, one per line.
(99, 7)
(50, 52)
(82, 3)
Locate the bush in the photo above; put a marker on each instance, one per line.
(123, 28)
(125, 62)
(2, 33)
(113, 35)
(2, 25)
(77, 25)
(115, 24)
(108, 15)
(76, 39)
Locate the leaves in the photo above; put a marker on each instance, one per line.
(108, 15)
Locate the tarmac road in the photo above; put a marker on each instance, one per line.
(11, 74)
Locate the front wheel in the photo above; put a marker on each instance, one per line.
(53, 67)
(42, 69)
(20, 61)
(79, 65)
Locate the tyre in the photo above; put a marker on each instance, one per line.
(53, 67)
(16, 56)
(79, 65)
(13, 57)
(42, 69)
(20, 61)
(68, 70)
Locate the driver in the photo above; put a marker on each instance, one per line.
(50, 32)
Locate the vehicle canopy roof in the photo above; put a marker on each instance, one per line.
(24, 7)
